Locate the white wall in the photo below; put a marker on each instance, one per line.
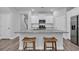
(15, 24)
(9, 23)
(60, 23)
(5, 25)
(71, 13)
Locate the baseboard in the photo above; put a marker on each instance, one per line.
(9, 38)
(66, 39)
(5, 39)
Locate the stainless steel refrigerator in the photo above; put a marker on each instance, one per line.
(75, 29)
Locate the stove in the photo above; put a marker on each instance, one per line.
(42, 27)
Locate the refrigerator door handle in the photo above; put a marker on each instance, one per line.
(73, 27)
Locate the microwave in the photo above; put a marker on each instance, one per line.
(42, 21)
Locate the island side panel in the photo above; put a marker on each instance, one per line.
(59, 37)
(21, 36)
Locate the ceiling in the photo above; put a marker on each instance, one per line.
(56, 10)
(23, 9)
(4, 10)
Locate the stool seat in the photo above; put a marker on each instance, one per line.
(50, 40)
(29, 40)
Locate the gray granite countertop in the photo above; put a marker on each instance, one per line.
(42, 31)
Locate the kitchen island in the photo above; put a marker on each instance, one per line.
(39, 34)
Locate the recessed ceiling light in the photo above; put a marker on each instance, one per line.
(33, 9)
(51, 9)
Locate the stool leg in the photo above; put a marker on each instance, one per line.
(23, 46)
(26, 46)
(52, 46)
(44, 45)
(55, 47)
(33, 45)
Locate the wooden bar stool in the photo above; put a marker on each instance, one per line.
(50, 40)
(29, 40)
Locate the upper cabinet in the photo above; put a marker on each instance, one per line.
(42, 20)
(47, 18)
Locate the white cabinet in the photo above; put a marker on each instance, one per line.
(35, 20)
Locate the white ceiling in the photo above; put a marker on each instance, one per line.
(4, 10)
(26, 9)
(23, 9)
(56, 11)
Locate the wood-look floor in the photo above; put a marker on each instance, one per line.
(69, 46)
(9, 45)
(12, 45)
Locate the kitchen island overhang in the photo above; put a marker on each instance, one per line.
(40, 34)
